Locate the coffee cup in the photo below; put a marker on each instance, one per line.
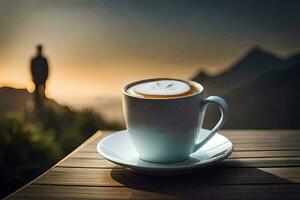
(164, 117)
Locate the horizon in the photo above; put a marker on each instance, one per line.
(90, 101)
(115, 43)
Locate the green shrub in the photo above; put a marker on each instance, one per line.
(32, 142)
(26, 150)
(24, 142)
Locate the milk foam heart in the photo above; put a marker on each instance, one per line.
(164, 87)
(161, 89)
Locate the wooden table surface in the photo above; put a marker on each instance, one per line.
(265, 164)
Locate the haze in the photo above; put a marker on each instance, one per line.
(94, 47)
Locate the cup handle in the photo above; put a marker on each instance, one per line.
(221, 103)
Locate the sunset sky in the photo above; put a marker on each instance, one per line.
(94, 47)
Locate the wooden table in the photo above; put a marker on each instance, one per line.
(264, 165)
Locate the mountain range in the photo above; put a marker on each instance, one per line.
(262, 91)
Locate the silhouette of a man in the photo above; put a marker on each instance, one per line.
(39, 71)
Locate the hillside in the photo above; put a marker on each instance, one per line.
(12, 99)
(43, 137)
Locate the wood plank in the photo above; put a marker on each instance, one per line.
(251, 133)
(262, 162)
(264, 154)
(260, 133)
(266, 147)
(235, 154)
(213, 175)
(70, 192)
(234, 162)
(280, 192)
(246, 140)
(275, 146)
(86, 155)
(88, 163)
(249, 136)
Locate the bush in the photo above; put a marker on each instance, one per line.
(25, 150)
(32, 142)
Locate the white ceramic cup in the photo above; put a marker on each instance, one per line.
(168, 130)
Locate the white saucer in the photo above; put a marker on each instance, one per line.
(119, 149)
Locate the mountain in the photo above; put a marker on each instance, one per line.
(254, 64)
(12, 99)
(261, 90)
(271, 101)
(20, 100)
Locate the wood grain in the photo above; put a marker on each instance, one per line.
(213, 175)
(248, 140)
(235, 154)
(281, 192)
(264, 154)
(264, 165)
(233, 162)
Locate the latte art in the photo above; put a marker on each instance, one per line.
(167, 88)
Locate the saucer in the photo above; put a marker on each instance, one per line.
(119, 149)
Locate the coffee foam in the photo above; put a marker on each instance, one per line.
(161, 89)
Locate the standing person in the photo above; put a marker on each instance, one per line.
(39, 71)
